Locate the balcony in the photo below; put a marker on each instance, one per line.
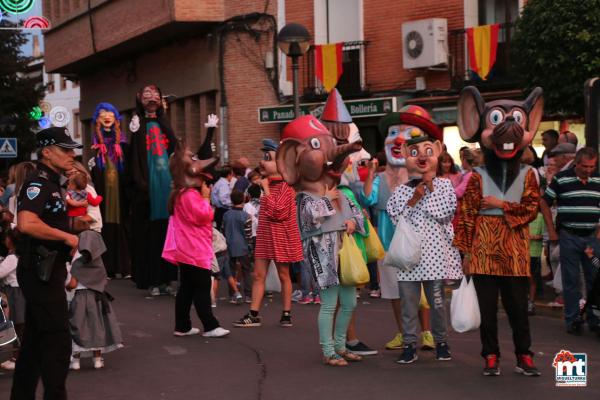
(351, 83)
(502, 74)
(84, 34)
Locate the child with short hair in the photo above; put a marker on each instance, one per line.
(251, 208)
(237, 228)
(78, 198)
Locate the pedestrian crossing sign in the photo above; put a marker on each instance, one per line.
(8, 147)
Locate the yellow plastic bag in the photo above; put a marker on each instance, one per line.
(353, 269)
(375, 251)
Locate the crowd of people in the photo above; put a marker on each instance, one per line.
(289, 223)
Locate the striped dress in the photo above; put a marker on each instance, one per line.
(277, 235)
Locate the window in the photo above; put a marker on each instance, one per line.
(76, 125)
(63, 83)
(50, 84)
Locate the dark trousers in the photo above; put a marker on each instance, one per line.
(246, 272)
(219, 214)
(373, 281)
(514, 292)
(45, 352)
(194, 286)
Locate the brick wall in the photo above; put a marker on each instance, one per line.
(247, 84)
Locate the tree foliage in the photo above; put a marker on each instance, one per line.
(18, 94)
(556, 45)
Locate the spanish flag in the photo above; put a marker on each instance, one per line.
(328, 64)
(482, 42)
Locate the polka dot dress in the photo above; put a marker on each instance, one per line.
(432, 219)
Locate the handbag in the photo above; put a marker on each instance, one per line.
(405, 248)
(464, 307)
(375, 251)
(353, 269)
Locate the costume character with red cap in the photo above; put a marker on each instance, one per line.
(310, 160)
(427, 203)
(500, 201)
(277, 238)
(376, 192)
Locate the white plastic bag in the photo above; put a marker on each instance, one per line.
(464, 308)
(272, 283)
(557, 281)
(405, 249)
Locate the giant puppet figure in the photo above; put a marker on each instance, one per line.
(109, 142)
(396, 128)
(426, 203)
(310, 159)
(500, 201)
(152, 141)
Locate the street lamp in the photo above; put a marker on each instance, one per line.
(293, 40)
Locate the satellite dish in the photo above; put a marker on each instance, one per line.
(60, 117)
(413, 43)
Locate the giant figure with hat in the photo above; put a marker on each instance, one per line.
(152, 141)
(310, 159)
(277, 238)
(108, 172)
(427, 204)
(500, 201)
(377, 189)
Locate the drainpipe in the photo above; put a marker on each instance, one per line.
(223, 142)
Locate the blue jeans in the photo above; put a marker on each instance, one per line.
(571, 256)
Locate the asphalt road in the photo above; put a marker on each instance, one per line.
(272, 363)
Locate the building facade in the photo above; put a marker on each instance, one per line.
(221, 56)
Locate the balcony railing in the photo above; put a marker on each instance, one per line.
(502, 74)
(352, 81)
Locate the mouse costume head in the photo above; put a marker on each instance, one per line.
(504, 128)
(309, 157)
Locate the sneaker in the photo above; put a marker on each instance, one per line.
(75, 365)
(155, 291)
(296, 295)
(8, 365)
(269, 295)
(237, 299)
(286, 320)
(317, 300)
(308, 299)
(247, 299)
(409, 354)
(427, 341)
(395, 343)
(526, 366)
(247, 321)
(216, 333)
(375, 294)
(361, 349)
(213, 305)
(98, 362)
(170, 290)
(442, 352)
(530, 308)
(491, 365)
(192, 331)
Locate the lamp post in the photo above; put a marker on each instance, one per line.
(293, 40)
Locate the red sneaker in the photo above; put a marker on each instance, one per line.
(526, 366)
(491, 365)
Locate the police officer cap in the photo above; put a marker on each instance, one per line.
(269, 145)
(56, 136)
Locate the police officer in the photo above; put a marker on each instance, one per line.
(44, 232)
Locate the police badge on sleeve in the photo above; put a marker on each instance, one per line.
(33, 192)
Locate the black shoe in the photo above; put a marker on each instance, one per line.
(286, 320)
(361, 349)
(492, 367)
(409, 354)
(247, 321)
(442, 352)
(575, 328)
(525, 366)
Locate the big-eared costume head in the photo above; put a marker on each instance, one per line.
(309, 156)
(108, 136)
(503, 128)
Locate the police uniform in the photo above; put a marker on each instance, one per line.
(46, 346)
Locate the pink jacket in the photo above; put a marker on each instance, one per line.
(189, 236)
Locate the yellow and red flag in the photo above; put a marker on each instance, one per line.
(482, 42)
(328, 64)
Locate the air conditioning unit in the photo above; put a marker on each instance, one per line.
(425, 43)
